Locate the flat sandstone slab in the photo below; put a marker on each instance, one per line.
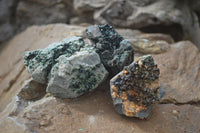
(94, 113)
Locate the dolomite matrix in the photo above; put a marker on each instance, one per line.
(70, 68)
(75, 75)
(39, 62)
(137, 88)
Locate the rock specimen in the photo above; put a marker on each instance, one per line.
(70, 67)
(75, 75)
(40, 62)
(34, 12)
(136, 88)
(115, 52)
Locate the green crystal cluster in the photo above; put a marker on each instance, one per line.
(40, 62)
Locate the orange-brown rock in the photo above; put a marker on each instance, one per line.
(136, 88)
(94, 113)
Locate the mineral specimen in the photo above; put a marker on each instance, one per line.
(115, 52)
(73, 76)
(39, 63)
(137, 88)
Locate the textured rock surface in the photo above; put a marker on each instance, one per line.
(178, 18)
(148, 43)
(145, 46)
(88, 5)
(156, 37)
(172, 17)
(32, 90)
(40, 62)
(94, 112)
(180, 73)
(7, 12)
(75, 75)
(115, 52)
(37, 12)
(54, 115)
(136, 88)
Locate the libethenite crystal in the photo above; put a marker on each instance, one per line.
(115, 52)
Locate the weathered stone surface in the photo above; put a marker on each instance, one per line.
(153, 43)
(7, 11)
(88, 5)
(156, 37)
(115, 52)
(37, 12)
(75, 75)
(178, 18)
(54, 115)
(136, 88)
(129, 33)
(172, 17)
(32, 90)
(149, 47)
(40, 62)
(9, 125)
(180, 73)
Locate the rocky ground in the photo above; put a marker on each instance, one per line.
(178, 111)
(180, 19)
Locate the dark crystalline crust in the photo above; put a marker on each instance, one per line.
(137, 86)
(115, 52)
(108, 37)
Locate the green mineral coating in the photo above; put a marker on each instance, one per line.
(85, 79)
(46, 58)
(109, 38)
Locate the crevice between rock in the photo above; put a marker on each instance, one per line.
(175, 102)
(175, 30)
(12, 81)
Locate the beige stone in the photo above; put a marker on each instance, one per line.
(180, 73)
(149, 47)
(94, 113)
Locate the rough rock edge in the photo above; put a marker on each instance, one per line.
(77, 62)
(39, 62)
(121, 99)
(115, 52)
